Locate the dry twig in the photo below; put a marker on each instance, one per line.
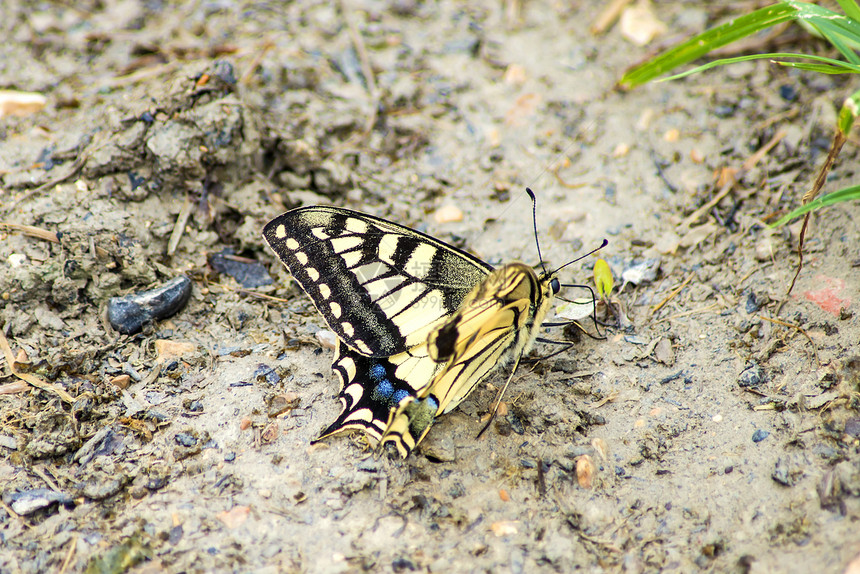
(32, 379)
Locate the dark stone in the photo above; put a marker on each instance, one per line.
(29, 501)
(185, 439)
(130, 313)
(759, 435)
(248, 273)
(752, 376)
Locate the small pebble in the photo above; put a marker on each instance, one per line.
(764, 249)
(16, 260)
(130, 313)
(664, 352)
(788, 92)
(247, 272)
(30, 501)
(504, 527)
(194, 406)
(585, 471)
(751, 377)
(121, 381)
(696, 156)
(175, 534)
(621, 150)
(759, 435)
(327, 339)
(448, 214)
(185, 439)
(515, 75)
(168, 351)
(15, 103)
(157, 482)
(639, 24)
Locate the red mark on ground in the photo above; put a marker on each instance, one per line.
(828, 297)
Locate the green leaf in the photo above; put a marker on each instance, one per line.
(848, 113)
(841, 31)
(819, 68)
(846, 194)
(603, 278)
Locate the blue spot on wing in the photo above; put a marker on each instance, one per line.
(377, 373)
(382, 392)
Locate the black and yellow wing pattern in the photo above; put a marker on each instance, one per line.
(420, 323)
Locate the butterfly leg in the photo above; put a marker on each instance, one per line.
(499, 398)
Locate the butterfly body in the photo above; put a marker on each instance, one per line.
(420, 323)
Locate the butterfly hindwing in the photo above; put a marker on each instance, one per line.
(374, 387)
(380, 287)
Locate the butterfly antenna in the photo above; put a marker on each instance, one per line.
(581, 257)
(534, 225)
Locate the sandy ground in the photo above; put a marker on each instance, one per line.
(721, 440)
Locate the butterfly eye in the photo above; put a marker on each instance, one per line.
(555, 286)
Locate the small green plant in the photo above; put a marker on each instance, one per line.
(842, 31)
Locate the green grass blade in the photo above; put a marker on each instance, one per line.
(709, 40)
(821, 68)
(844, 66)
(835, 36)
(837, 196)
(851, 9)
(841, 31)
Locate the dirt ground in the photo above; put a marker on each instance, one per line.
(723, 437)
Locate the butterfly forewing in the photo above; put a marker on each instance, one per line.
(381, 287)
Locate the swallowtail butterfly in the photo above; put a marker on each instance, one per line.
(420, 323)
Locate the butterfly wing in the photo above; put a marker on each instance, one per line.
(496, 322)
(373, 387)
(380, 287)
